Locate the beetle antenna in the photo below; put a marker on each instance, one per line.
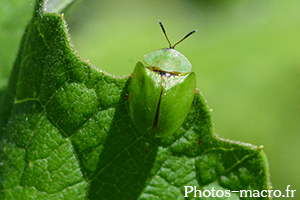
(163, 29)
(190, 33)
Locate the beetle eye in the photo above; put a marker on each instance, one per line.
(164, 74)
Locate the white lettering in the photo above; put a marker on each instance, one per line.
(256, 193)
(209, 193)
(292, 195)
(195, 192)
(186, 192)
(262, 193)
(246, 193)
(227, 193)
(279, 193)
(222, 193)
(243, 193)
(270, 193)
(287, 191)
(213, 192)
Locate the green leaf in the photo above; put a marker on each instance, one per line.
(57, 5)
(14, 17)
(66, 133)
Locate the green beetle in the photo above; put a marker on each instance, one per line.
(161, 94)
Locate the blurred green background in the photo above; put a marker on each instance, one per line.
(246, 56)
